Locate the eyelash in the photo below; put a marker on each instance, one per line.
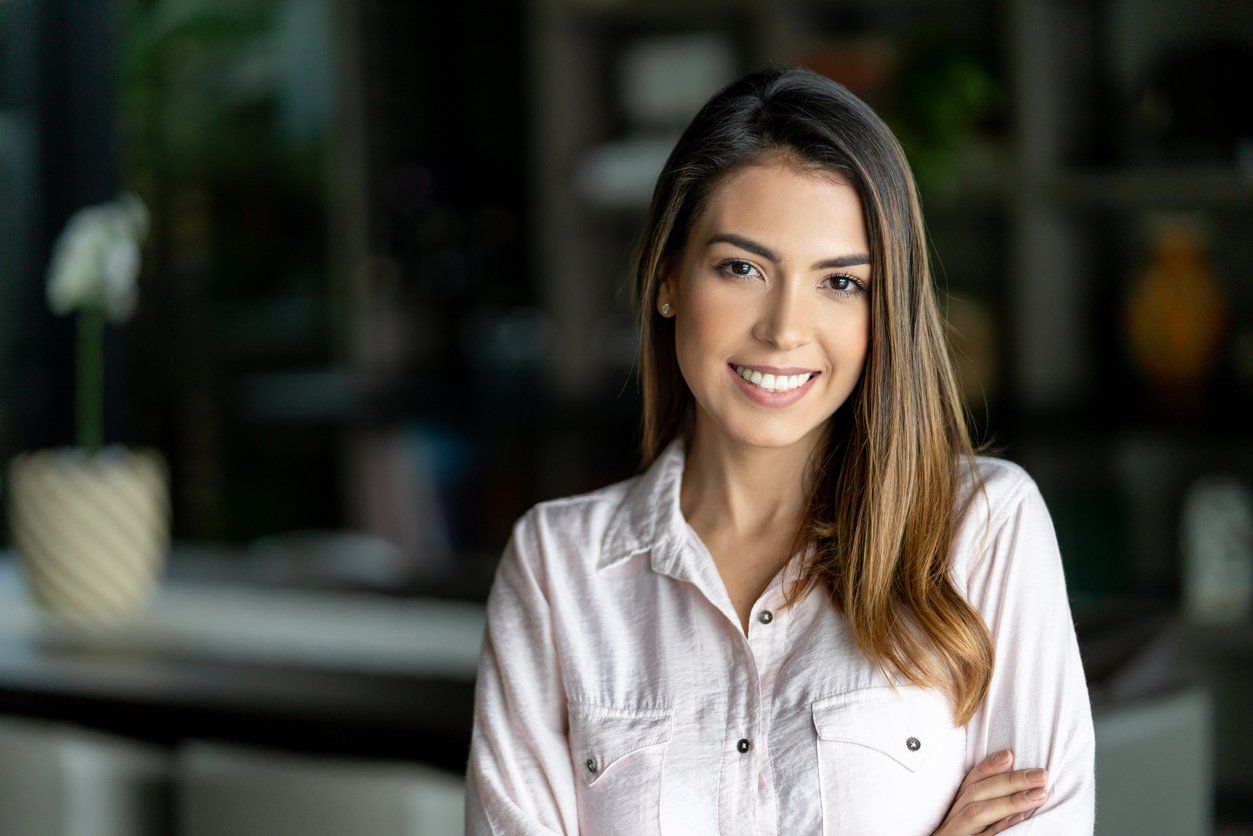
(857, 286)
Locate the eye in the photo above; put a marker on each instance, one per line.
(732, 267)
(845, 285)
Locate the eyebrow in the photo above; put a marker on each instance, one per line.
(753, 247)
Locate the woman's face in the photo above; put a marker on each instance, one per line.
(774, 284)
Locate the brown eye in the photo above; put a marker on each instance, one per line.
(845, 285)
(736, 268)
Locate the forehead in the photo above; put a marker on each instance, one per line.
(773, 202)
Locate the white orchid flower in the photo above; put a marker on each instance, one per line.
(96, 260)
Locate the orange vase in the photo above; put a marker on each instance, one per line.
(1175, 319)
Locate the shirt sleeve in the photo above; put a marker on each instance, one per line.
(519, 778)
(1037, 702)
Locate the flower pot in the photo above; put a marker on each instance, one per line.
(92, 532)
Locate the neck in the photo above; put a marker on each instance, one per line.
(745, 491)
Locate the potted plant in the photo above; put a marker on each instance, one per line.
(90, 523)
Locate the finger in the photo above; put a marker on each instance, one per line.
(988, 767)
(1006, 784)
(980, 814)
(968, 816)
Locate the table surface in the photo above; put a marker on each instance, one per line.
(341, 673)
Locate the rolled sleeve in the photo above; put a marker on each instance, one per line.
(519, 778)
(1037, 703)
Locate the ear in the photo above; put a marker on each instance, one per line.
(666, 283)
(667, 267)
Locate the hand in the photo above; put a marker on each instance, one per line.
(991, 798)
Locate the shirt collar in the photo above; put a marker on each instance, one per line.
(649, 517)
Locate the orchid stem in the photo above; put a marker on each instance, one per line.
(90, 384)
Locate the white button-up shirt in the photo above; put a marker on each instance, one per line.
(618, 693)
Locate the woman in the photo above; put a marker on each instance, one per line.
(816, 610)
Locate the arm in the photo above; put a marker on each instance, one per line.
(519, 779)
(1037, 702)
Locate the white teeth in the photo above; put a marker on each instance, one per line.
(771, 383)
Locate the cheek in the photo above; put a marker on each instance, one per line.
(849, 345)
(859, 341)
(710, 321)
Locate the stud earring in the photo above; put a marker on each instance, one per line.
(665, 309)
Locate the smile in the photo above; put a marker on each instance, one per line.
(772, 390)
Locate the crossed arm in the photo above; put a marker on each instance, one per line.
(1037, 702)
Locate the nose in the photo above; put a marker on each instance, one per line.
(784, 318)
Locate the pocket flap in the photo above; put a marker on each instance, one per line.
(907, 724)
(600, 736)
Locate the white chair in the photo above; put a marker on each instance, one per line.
(1154, 773)
(59, 780)
(225, 790)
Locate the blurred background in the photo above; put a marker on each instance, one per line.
(382, 307)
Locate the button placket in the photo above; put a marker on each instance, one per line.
(767, 643)
(737, 799)
(772, 629)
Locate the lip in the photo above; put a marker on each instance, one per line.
(776, 400)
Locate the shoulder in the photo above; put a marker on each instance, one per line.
(989, 488)
(568, 529)
(990, 493)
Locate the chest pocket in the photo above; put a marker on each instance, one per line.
(618, 755)
(888, 761)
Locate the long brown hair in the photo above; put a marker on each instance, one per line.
(883, 486)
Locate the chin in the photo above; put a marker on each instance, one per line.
(761, 434)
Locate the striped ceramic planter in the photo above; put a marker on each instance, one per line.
(92, 532)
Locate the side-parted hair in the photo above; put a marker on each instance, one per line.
(883, 486)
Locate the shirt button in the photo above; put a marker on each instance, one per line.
(913, 743)
(591, 765)
(765, 616)
(742, 745)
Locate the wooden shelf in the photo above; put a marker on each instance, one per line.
(1146, 188)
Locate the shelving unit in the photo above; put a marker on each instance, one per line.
(1079, 209)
